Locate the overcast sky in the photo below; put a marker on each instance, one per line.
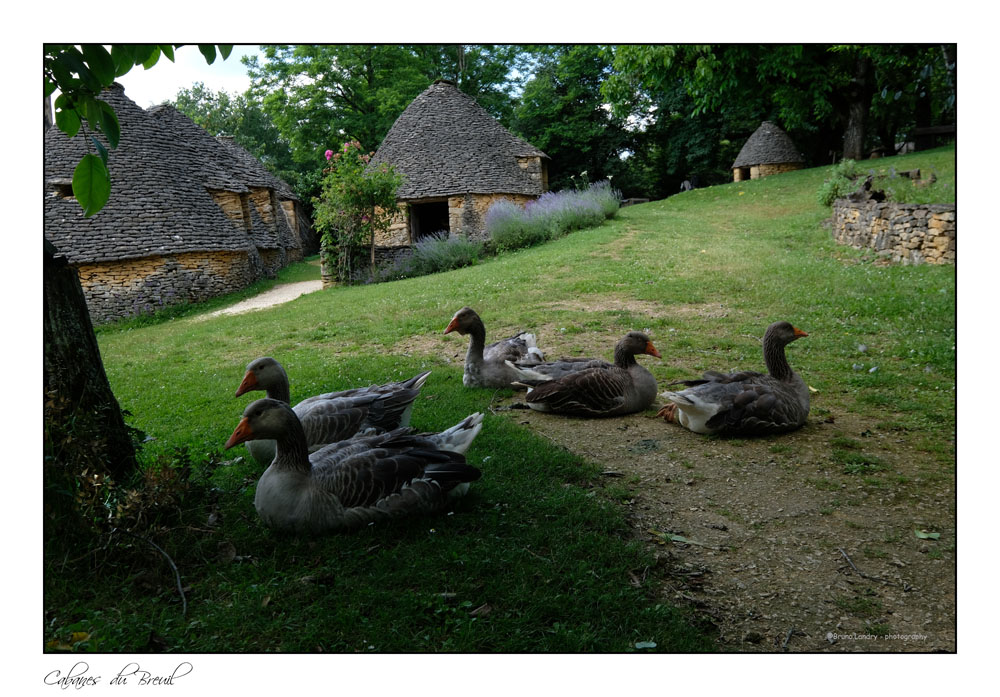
(162, 82)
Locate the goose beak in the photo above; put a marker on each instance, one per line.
(651, 350)
(249, 383)
(241, 434)
(798, 333)
(452, 325)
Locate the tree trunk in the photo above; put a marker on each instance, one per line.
(74, 373)
(859, 99)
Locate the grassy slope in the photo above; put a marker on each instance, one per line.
(535, 541)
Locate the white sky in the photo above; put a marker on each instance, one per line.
(162, 82)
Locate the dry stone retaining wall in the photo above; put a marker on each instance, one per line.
(903, 232)
(120, 289)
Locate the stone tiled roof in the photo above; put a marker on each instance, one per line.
(444, 144)
(252, 172)
(160, 204)
(767, 145)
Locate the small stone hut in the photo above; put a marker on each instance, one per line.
(767, 151)
(456, 160)
(189, 217)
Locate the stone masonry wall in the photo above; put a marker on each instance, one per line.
(119, 289)
(767, 170)
(467, 214)
(903, 232)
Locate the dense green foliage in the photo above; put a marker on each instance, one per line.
(562, 112)
(821, 94)
(651, 117)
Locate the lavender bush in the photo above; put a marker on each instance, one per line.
(443, 252)
(551, 215)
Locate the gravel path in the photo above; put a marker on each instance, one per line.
(275, 296)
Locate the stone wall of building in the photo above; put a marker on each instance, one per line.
(902, 232)
(536, 169)
(466, 216)
(120, 289)
(398, 234)
(467, 213)
(758, 171)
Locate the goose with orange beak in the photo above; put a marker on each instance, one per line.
(745, 403)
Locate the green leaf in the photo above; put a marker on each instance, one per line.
(101, 150)
(91, 184)
(68, 121)
(207, 50)
(924, 535)
(73, 60)
(168, 51)
(225, 50)
(154, 56)
(141, 53)
(100, 63)
(109, 123)
(124, 58)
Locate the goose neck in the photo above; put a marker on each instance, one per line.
(624, 358)
(775, 360)
(292, 450)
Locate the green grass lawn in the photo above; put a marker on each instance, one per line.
(537, 557)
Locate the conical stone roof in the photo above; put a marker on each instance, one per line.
(767, 145)
(445, 144)
(161, 172)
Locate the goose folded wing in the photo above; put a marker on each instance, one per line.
(364, 470)
(591, 391)
(331, 420)
(389, 406)
(754, 407)
(514, 348)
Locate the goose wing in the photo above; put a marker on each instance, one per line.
(592, 391)
(520, 347)
(746, 403)
(365, 471)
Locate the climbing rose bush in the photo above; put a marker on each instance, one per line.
(357, 202)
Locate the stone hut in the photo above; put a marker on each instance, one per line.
(456, 160)
(767, 151)
(189, 217)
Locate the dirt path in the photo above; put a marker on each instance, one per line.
(784, 551)
(277, 295)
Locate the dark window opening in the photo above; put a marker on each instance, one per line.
(428, 218)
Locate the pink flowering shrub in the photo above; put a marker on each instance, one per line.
(357, 202)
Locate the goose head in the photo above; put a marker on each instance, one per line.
(262, 374)
(463, 321)
(264, 418)
(782, 333)
(636, 343)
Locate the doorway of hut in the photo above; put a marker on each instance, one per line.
(428, 218)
